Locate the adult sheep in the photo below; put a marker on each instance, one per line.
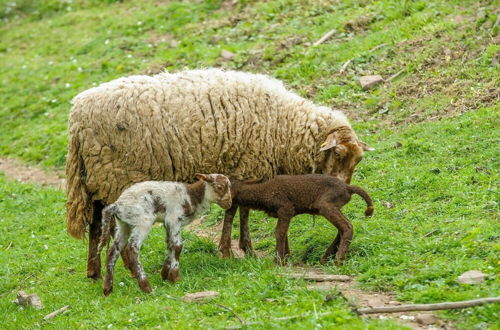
(171, 126)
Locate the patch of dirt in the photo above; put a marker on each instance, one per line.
(15, 170)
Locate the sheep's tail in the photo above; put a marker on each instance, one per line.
(108, 214)
(79, 203)
(359, 191)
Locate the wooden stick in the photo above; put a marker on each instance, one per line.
(320, 277)
(232, 311)
(394, 76)
(430, 307)
(345, 65)
(324, 38)
(55, 313)
(377, 47)
(430, 233)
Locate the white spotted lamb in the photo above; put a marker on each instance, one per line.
(140, 206)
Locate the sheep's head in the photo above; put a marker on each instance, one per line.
(218, 189)
(344, 152)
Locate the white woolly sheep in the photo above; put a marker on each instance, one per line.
(170, 126)
(140, 206)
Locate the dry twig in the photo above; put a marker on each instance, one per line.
(430, 307)
(324, 38)
(55, 313)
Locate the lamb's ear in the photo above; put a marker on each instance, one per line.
(365, 146)
(329, 143)
(205, 177)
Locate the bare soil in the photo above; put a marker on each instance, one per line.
(15, 170)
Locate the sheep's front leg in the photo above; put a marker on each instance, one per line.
(345, 233)
(170, 270)
(113, 252)
(245, 240)
(225, 239)
(137, 237)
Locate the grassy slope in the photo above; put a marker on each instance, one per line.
(443, 177)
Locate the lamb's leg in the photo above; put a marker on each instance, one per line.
(332, 249)
(125, 253)
(287, 247)
(245, 240)
(281, 234)
(166, 263)
(94, 260)
(175, 248)
(345, 229)
(137, 237)
(113, 252)
(225, 239)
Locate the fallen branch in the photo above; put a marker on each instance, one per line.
(324, 38)
(320, 277)
(232, 311)
(345, 65)
(55, 313)
(377, 47)
(430, 233)
(430, 307)
(394, 76)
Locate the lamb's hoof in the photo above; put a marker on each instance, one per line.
(94, 275)
(164, 272)
(279, 262)
(107, 290)
(145, 286)
(173, 275)
(250, 253)
(226, 253)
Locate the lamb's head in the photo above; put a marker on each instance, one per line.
(344, 152)
(218, 189)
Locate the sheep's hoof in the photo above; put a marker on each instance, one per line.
(145, 286)
(250, 253)
(173, 275)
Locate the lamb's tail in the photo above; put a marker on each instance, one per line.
(359, 191)
(107, 216)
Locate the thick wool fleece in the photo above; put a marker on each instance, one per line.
(170, 126)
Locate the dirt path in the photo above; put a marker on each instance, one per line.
(15, 170)
(18, 171)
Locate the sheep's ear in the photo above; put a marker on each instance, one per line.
(329, 143)
(204, 177)
(365, 146)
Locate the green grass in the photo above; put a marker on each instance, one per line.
(442, 181)
(38, 256)
(51, 50)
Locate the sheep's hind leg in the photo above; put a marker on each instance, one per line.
(345, 229)
(225, 239)
(112, 255)
(137, 237)
(94, 259)
(245, 240)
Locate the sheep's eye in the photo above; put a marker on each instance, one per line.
(336, 153)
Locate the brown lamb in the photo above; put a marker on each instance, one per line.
(286, 196)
